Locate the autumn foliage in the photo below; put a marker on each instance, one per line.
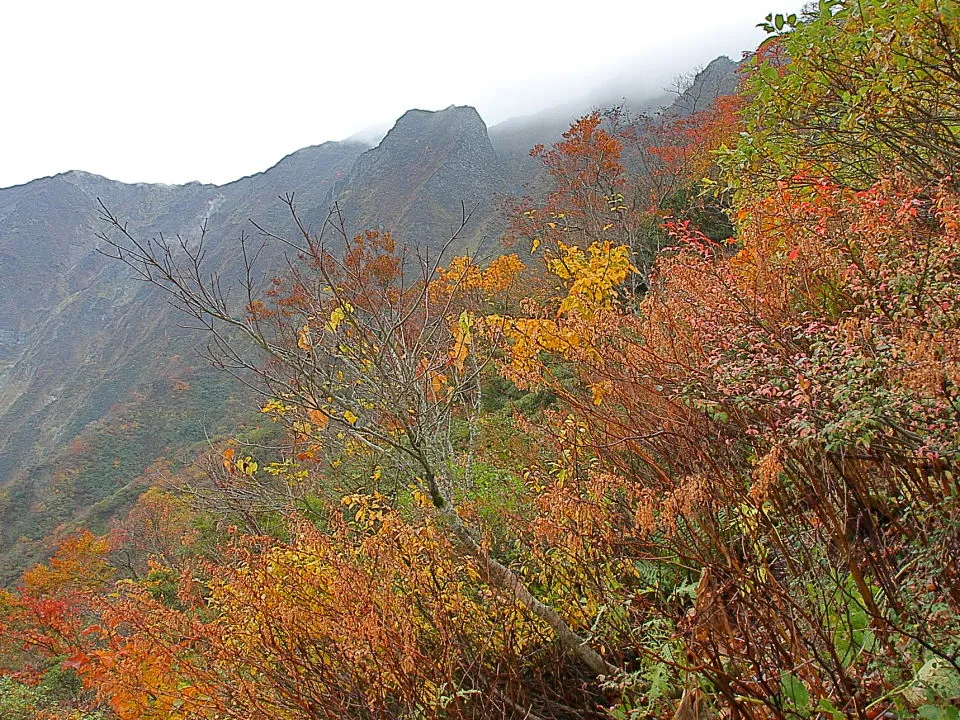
(635, 468)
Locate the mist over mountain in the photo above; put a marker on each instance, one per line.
(97, 377)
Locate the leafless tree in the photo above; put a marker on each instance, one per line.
(355, 337)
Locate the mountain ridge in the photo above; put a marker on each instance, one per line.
(97, 379)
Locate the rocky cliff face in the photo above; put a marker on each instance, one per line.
(417, 180)
(718, 78)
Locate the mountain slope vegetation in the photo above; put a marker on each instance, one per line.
(83, 344)
(687, 449)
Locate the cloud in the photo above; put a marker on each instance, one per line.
(212, 91)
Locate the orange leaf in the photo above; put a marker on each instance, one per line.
(319, 419)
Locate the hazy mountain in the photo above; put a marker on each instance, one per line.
(513, 138)
(97, 378)
(697, 91)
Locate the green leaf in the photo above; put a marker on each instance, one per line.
(794, 690)
(828, 708)
(769, 73)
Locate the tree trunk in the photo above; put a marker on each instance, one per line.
(500, 575)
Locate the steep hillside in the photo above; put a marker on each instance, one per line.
(97, 379)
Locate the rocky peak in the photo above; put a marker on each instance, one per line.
(462, 120)
(415, 180)
(718, 78)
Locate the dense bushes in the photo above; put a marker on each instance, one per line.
(542, 489)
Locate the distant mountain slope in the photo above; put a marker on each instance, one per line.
(513, 138)
(97, 379)
(718, 78)
(82, 344)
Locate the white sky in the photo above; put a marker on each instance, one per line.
(172, 91)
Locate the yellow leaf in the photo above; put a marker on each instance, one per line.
(336, 317)
(304, 341)
(246, 465)
(438, 380)
(599, 391)
(350, 417)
